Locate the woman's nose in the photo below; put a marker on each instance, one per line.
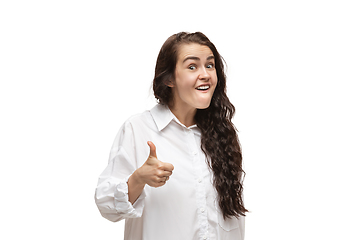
(204, 75)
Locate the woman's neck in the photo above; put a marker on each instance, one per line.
(185, 115)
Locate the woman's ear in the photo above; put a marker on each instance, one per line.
(170, 83)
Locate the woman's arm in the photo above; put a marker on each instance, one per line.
(135, 187)
(111, 195)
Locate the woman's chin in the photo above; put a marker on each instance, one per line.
(204, 105)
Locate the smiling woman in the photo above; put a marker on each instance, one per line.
(194, 83)
(197, 191)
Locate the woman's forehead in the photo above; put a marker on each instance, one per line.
(193, 50)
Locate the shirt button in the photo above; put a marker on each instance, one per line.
(202, 210)
(194, 153)
(205, 237)
(199, 180)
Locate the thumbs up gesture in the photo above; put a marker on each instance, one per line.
(154, 172)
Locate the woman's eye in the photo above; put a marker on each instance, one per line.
(192, 67)
(210, 65)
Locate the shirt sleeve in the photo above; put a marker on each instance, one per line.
(111, 195)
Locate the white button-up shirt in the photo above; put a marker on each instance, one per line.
(185, 208)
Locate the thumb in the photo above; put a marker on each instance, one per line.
(152, 149)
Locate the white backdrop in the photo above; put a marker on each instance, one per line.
(72, 72)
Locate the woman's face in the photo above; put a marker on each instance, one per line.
(195, 77)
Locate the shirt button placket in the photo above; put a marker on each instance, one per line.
(200, 194)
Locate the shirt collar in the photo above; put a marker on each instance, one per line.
(163, 116)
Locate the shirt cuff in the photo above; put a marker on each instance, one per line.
(122, 204)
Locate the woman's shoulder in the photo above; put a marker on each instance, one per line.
(156, 111)
(146, 117)
(138, 118)
(135, 125)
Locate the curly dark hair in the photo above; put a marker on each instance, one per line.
(219, 140)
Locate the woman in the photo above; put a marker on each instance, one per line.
(175, 172)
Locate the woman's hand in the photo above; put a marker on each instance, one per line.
(153, 173)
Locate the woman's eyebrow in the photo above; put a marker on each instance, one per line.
(210, 57)
(191, 58)
(197, 59)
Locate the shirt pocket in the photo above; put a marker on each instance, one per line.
(227, 224)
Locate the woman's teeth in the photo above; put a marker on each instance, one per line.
(203, 87)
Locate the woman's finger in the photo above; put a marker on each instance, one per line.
(165, 174)
(163, 179)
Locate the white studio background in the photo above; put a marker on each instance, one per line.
(72, 71)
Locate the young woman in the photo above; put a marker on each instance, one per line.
(175, 172)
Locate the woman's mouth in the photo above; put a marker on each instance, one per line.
(203, 88)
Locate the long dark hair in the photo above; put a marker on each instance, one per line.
(219, 139)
